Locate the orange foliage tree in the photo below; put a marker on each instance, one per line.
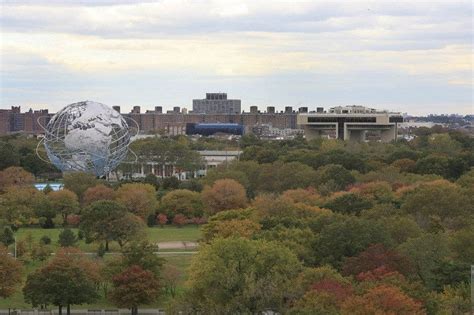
(225, 194)
(10, 273)
(96, 193)
(15, 176)
(382, 299)
(140, 199)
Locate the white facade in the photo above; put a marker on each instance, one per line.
(211, 159)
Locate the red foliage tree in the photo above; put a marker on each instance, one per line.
(133, 287)
(179, 220)
(377, 274)
(338, 290)
(73, 220)
(162, 219)
(374, 257)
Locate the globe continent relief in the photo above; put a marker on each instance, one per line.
(88, 137)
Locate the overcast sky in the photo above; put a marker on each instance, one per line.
(409, 56)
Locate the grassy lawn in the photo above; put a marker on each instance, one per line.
(166, 234)
(155, 234)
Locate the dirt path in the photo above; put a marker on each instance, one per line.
(178, 245)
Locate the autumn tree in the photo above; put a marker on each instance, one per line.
(237, 275)
(376, 256)
(230, 223)
(182, 201)
(10, 273)
(78, 182)
(96, 193)
(15, 177)
(18, 205)
(162, 219)
(134, 287)
(225, 194)
(68, 279)
(138, 198)
(439, 198)
(64, 202)
(382, 300)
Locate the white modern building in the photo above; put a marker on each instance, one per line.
(351, 123)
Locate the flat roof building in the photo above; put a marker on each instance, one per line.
(216, 103)
(351, 123)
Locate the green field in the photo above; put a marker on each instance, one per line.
(155, 234)
(166, 234)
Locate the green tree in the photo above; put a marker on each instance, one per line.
(279, 176)
(426, 254)
(344, 237)
(8, 155)
(10, 273)
(461, 245)
(143, 254)
(68, 279)
(7, 237)
(67, 238)
(352, 203)
(127, 228)
(241, 276)
(332, 177)
(108, 220)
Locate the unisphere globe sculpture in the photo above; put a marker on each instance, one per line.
(87, 136)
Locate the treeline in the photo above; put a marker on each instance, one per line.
(297, 227)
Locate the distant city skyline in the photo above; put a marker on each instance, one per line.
(404, 56)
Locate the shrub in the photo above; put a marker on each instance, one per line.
(45, 240)
(179, 220)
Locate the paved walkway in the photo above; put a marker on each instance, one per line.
(177, 245)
